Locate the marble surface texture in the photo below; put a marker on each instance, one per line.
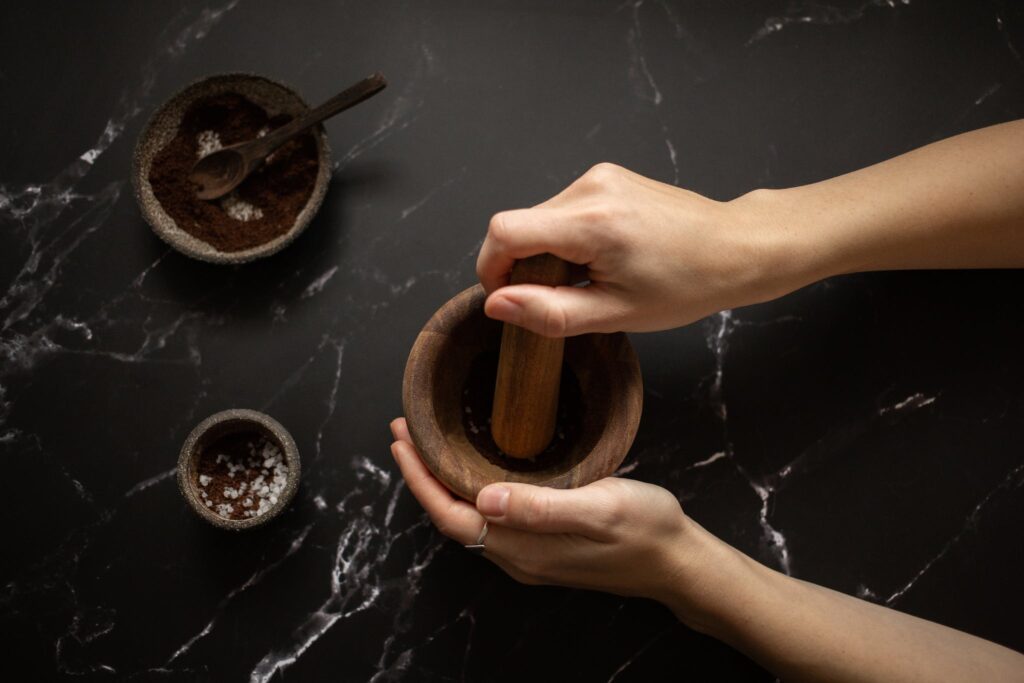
(866, 432)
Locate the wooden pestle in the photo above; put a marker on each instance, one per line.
(529, 371)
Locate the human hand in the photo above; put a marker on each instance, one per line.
(615, 535)
(656, 256)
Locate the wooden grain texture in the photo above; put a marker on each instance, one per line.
(604, 364)
(529, 371)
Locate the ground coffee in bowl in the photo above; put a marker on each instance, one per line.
(264, 206)
(267, 211)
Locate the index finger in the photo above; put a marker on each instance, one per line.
(518, 234)
(453, 517)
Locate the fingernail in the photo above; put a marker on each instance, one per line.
(391, 426)
(493, 501)
(506, 310)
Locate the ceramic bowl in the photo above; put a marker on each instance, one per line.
(276, 99)
(229, 422)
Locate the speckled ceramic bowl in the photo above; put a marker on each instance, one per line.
(163, 126)
(229, 422)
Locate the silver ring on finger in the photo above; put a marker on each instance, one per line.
(479, 547)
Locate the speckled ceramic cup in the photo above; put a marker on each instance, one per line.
(231, 422)
(276, 99)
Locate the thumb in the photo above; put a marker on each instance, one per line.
(555, 311)
(587, 511)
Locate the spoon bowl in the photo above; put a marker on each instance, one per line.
(223, 168)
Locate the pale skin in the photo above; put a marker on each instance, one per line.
(658, 257)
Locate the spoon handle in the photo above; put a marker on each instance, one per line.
(364, 89)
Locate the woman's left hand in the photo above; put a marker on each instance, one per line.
(615, 535)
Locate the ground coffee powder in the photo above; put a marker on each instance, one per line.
(263, 207)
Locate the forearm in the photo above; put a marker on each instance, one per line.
(957, 203)
(801, 631)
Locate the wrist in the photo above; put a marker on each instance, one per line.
(699, 582)
(715, 589)
(790, 241)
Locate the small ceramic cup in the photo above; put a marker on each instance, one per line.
(232, 422)
(275, 98)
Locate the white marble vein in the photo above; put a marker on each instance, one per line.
(414, 207)
(253, 580)
(811, 12)
(150, 482)
(355, 580)
(644, 84)
(715, 457)
(38, 209)
(912, 402)
(317, 285)
(1013, 481)
(1009, 41)
(401, 113)
(636, 655)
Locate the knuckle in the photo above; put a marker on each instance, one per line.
(537, 511)
(498, 231)
(614, 512)
(603, 175)
(555, 321)
(443, 527)
(480, 271)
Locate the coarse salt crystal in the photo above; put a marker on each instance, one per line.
(240, 209)
(204, 479)
(208, 142)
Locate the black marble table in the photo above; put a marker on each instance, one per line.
(866, 432)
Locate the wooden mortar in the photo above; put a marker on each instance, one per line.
(605, 366)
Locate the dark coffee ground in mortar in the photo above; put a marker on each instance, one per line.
(240, 475)
(478, 400)
(279, 188)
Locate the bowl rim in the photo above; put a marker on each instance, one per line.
(189, 453)
(606, 456)
(166, 228)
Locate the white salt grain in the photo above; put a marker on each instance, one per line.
(253, 495)
(208, 142)
(239, 209)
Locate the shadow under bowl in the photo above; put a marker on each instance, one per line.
(225, 423)
(454, 340)
(163, 126)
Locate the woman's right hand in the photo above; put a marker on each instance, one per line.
(656, 256)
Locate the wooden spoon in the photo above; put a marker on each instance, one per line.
(218, 173)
